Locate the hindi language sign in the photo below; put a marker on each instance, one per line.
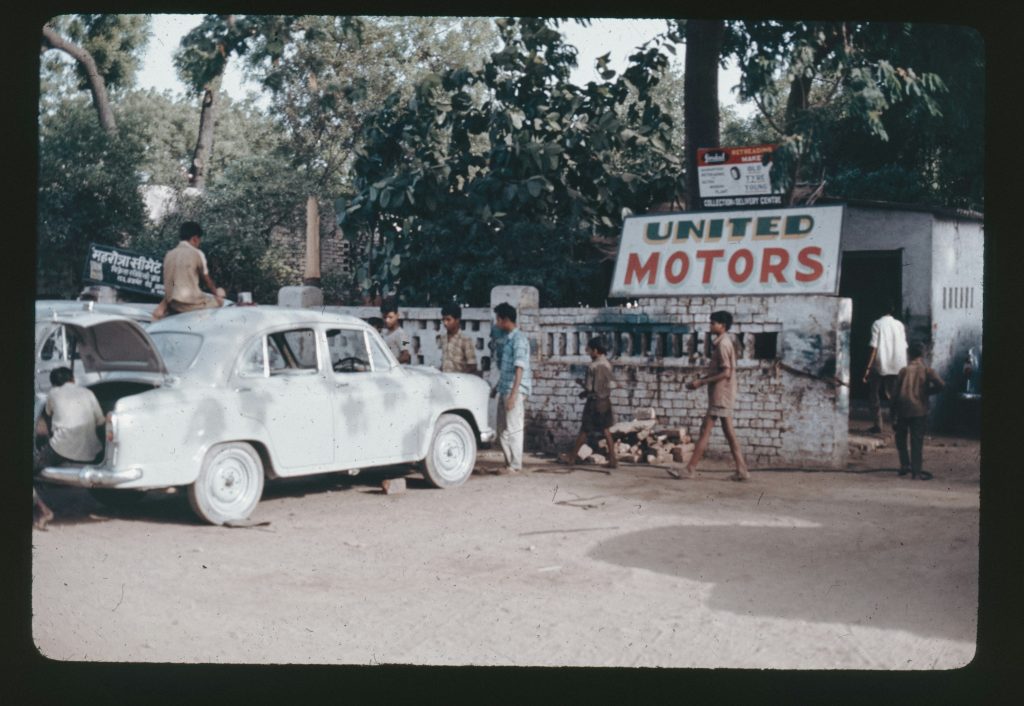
(124, 269)
(768, 251)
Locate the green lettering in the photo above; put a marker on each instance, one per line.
(739, 228)
(798, 226)
(767, 227)
(685, 229)
(653, 234)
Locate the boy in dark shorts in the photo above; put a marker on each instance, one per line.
(597, 412)
(722, 386)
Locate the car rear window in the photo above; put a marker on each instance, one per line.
(178, 350)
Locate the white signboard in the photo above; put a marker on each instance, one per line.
(767, 251)
(733, 177)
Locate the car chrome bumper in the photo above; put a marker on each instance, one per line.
(488, 435)
(89, 476)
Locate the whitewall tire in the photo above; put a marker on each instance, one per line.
(229, 485)
(452, 453)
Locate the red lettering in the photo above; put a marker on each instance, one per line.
(815, 266)
(774, 268)
(649, 269)
(734, 273)
(684, 266)
(709, 257)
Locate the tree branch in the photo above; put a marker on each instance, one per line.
(97, 86)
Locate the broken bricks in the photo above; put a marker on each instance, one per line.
(641, 441)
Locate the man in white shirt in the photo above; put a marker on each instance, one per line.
(888, 356)
(74, 423)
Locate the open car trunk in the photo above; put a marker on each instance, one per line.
(109, 392)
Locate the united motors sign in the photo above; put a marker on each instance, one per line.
(770, 251)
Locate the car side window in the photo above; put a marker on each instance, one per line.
(347, 348)
(380, 358)
(291, 352)
(55, 347)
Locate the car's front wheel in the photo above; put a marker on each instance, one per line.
(229, 485)
(452, 454)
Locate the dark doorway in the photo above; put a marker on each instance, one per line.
(871, 278)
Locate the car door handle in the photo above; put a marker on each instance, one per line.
(341, 384)
(243, 389)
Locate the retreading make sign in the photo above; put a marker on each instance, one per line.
(769, 251)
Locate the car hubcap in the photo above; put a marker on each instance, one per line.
(231, 479)
(452, 453)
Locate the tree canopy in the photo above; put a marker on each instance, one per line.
(458, 154)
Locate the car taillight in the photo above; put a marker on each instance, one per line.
(111, 426)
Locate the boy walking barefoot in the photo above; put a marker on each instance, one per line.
(722, 384)
(597, 412)
(910, 407)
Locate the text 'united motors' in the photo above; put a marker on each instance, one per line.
(776, 251)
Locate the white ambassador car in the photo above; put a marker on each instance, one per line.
(216, 400)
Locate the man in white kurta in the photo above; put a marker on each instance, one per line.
(888, 357)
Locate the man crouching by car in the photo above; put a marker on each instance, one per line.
(68, 429)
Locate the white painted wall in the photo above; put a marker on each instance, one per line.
(957, 301)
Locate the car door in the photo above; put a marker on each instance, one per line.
(283, 386)
(378, 415)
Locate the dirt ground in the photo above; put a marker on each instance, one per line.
(859, 569)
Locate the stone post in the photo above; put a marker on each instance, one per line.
(311, 277)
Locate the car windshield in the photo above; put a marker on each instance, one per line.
(178, 350)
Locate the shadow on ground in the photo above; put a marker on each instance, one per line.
(818, 574)
(73, 505)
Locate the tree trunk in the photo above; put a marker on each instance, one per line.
(97, 86)
(311, 278)
(197, 173)
(700, 96)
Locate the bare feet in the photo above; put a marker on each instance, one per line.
(41, 517)
(740, 475)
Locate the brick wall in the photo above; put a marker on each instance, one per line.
(790, 412)
(334, 250)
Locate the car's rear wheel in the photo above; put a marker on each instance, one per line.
(229, 485)
(117, 499)
(452, 453)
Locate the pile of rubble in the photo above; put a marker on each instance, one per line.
(641, 441)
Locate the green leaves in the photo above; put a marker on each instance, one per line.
(480, 155)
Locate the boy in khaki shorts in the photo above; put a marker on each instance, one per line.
(722, 384)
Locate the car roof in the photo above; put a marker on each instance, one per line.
(45, 308)
(248, 319)
(226, 330)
